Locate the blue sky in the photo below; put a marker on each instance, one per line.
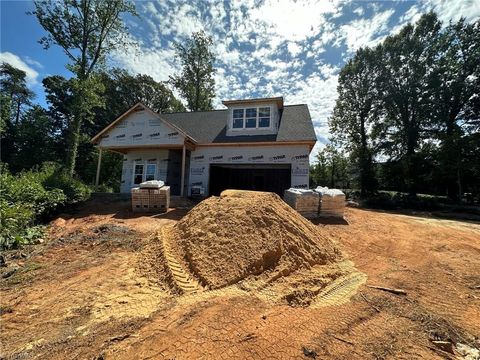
(264, 48)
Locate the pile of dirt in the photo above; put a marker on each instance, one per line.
(241, 234)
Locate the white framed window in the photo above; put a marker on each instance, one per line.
(252, 118)
(138, 173)
(238, 115)
(151, 171)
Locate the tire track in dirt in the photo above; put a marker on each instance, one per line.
(183, 279)
(340, 290)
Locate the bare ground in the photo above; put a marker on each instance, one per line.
(83, 294)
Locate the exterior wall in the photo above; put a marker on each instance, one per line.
(168, 167)
(296, 155)
(273, 129)
(138, 129)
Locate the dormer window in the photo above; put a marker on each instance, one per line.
(251, 118)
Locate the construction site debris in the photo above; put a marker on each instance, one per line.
(393, 291)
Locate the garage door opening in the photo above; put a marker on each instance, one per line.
(260, 177)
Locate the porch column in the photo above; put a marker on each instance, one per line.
(182, 180)
(99, 163)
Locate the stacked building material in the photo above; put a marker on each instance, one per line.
(150, 199)
(332, 202)
(304, 201)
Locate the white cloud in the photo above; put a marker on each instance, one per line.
(454, 10)
(294, 20)
(365, 31)
(294, 48)
(16, 61)
(359, 11)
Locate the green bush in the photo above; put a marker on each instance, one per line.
(74, 190)
(27, 188)
(31, 196)
(16, 222)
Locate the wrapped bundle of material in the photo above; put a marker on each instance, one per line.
(332, 203)
(152, 184)
(304, 201)
(150, 199)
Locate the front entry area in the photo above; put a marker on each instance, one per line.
(260, 177)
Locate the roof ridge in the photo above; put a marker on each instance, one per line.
(191, 112)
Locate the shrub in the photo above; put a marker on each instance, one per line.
(31, 196)
(26, 188)
(16, 222)
(74, 190)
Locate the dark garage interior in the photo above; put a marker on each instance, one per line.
(261, 177)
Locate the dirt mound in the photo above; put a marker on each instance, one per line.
(244, 233)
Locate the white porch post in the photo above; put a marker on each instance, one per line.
(99, 163)
(182, 180)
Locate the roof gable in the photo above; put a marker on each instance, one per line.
(139, 126)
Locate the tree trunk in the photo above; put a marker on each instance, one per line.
(74, 141)
(17, 115)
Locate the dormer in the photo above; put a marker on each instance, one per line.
(253, 116)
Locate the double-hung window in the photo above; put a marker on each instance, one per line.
(138, 173)
(264, 117)
(238, 118)
(252, 118)
(150, 173)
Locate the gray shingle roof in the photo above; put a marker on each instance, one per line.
(210, 126)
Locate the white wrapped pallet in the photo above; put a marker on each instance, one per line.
(332, 202)
(304, 201)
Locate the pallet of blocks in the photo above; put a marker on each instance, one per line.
(332, 202)
(304, 201)
(151, 199)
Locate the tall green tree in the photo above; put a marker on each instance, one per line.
(13, 85)
(406, 60)
(15, 99)
(355, 113)
(196, 82)
(86, 30)
(35, 141)
(456, 86)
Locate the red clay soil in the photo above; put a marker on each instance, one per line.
(81, 295)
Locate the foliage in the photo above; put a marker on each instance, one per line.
(86, 30)
(408, 110)
(355, 113)
(34, 132)
(31, 196)
(28, 188)
(14, 86)
(331, 169)
(196, 83)
(16, 225)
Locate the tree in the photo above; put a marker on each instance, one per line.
(14, 86)
(331, 168)
(123, 90)
(456, 86)
(195, 82)
(356, 111)
(15, 96)
(34, 140)
(87, 30)
(404, 90)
